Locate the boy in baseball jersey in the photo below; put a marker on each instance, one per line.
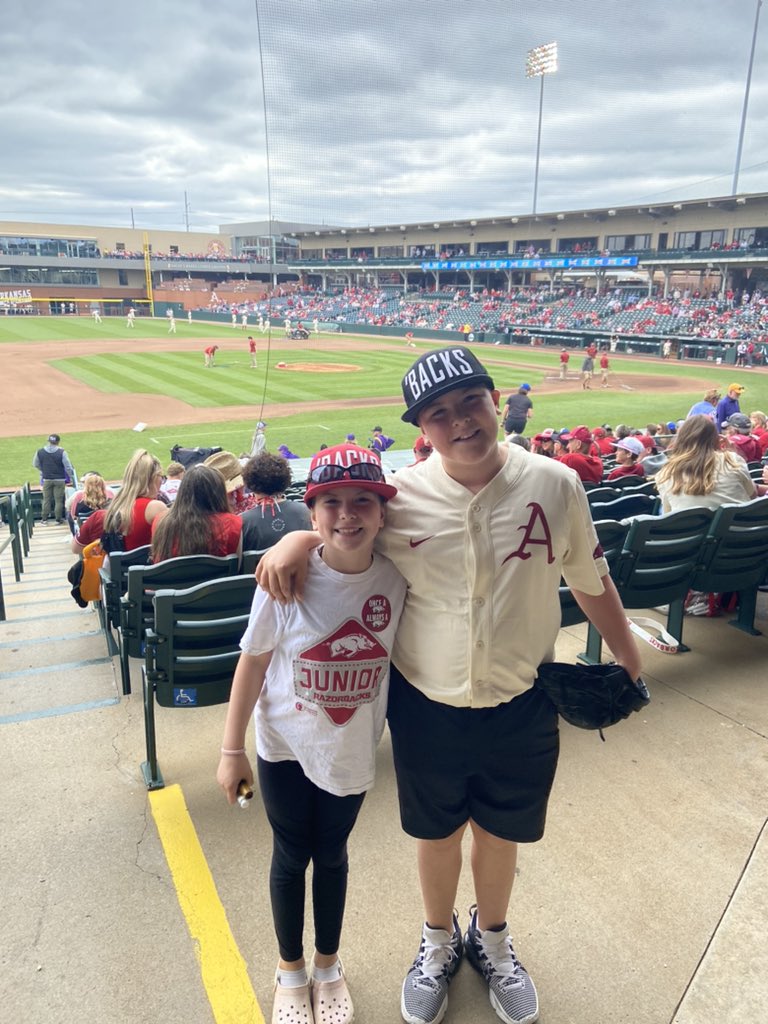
(317, 673)
(482, 532)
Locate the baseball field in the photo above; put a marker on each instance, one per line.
(108, 389)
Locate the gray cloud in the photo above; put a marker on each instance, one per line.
(378, 111)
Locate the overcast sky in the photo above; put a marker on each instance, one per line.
(369, 111)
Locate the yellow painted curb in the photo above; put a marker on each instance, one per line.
(222, 967)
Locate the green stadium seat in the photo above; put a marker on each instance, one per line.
(735, 558)
(136, 608)
(192, 649)
(655, 567)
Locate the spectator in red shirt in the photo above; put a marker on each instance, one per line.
(133, 510)
(738, 438)
(603, 441)
(199, 521)
(628, 453)
(579, 444)
(759, 431)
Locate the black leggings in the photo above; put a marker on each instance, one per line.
(307, 824)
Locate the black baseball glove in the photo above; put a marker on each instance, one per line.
(592, 696)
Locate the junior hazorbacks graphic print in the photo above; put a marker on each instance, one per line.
(341, 672)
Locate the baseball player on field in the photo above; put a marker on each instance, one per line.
(483, 532)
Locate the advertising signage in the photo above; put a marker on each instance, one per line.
(535, 263)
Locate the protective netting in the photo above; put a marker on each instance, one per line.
(388, 111)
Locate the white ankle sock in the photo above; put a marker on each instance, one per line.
(332, 973)
(292, 979)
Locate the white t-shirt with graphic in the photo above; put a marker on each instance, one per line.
(324, 699)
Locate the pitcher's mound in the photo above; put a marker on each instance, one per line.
(319, 367)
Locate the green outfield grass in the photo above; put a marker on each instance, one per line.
(83, 328)
(232, 382)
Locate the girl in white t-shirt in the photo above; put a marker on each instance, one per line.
(317, 674)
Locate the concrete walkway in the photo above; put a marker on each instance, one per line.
(645, 903)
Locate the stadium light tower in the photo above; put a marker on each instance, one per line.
(541, 61)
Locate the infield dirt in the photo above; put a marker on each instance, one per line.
(36, 394)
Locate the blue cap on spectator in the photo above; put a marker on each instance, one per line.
(525, 387)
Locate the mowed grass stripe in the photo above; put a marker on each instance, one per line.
(179, 375)
(152, 374)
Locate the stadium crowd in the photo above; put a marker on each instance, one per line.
(688, 314)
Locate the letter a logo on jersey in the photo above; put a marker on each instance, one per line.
(535, 531)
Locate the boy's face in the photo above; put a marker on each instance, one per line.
(462, 424)
(348, 518)
(623, 457)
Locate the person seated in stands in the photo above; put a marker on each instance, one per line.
(648, 441)
(133, 511)
(699, 473)
(94, 495)
(628, 454)
(603, 438)
(267, 476)
(172, 482)
(738, 438)
(707, 406)
(579, 444)
(759, 430)
(231, 470)
(544, 444)
(422, 449)
(199, 521)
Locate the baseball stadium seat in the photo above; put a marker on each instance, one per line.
(136, 608)
(251, 559)
(611, 535)
(625, 507)
(598, 493)
(192, 648)
(655, 567)
(735, 558)
(643, 487)
(114, 582)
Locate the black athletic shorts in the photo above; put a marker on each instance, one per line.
(493, 765)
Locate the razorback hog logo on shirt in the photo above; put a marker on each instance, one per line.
(435, 369)
(341, 672)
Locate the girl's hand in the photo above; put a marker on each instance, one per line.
(233, 769)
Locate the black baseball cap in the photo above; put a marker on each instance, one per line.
(437, 372)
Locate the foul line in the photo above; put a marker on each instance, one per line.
(222, 967)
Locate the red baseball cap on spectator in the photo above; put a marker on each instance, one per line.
(598, 432)
(423, 446)
(545, 435)
(646, 441)
(347, 465)
(581, 433)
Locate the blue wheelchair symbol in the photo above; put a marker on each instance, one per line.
(183, 698)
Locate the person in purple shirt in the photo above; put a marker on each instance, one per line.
(728, 405)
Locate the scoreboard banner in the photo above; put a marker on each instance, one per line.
(536, 263)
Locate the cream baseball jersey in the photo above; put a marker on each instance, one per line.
(324, 699)
(483, 570)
